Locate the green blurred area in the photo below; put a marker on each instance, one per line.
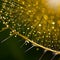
(9, 49)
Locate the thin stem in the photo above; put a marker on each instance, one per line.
(43, 54)
(6, 39)
(29, 49)
(22, 45)
(53, 57)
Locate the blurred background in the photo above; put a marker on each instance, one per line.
(15, 48)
